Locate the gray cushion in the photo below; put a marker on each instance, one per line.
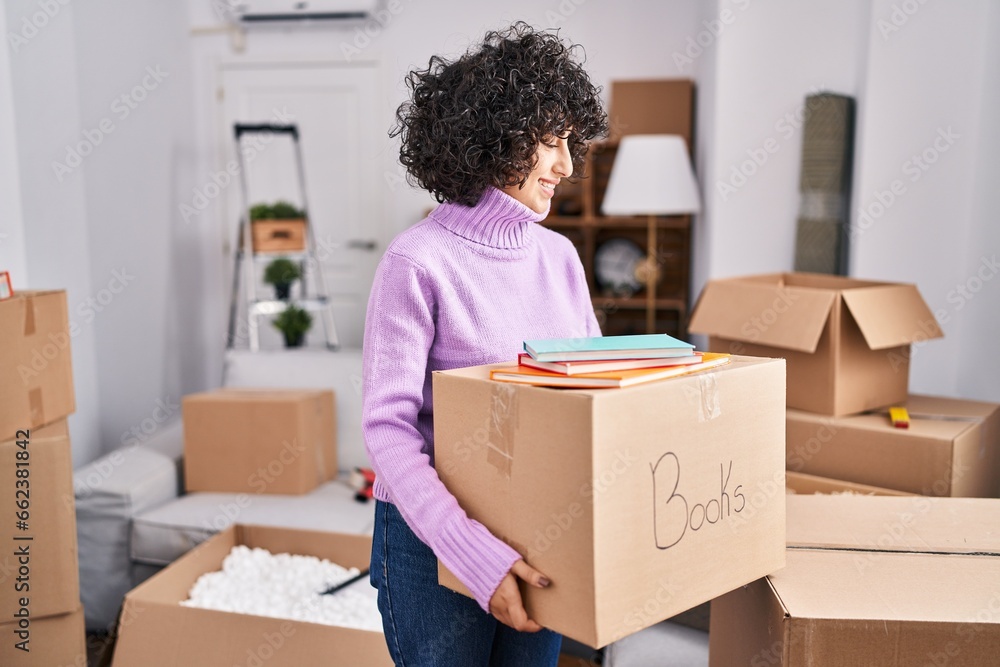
(310, 369)
(109, 492)
(163, 534)
(662, 645)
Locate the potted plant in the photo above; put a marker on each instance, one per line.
(293, 323)
(281, 273)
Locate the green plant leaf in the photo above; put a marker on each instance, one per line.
(282, 271)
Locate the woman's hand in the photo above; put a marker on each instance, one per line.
(506, 603)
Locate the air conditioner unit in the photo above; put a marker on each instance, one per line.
(255, 11)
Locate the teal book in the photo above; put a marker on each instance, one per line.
(640, 346)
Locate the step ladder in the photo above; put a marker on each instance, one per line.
(245, 262)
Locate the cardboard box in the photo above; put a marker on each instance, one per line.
(657, 106)
(52, 641)
(872, 581)
(803, 484)
(156, 631)
(49, 569)
(847, 342)
(259, 441)
(624, 498)
(952, 448)
(35, 364)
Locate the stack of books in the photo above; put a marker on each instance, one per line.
(608, 361)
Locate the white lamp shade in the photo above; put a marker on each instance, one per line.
(651, 175)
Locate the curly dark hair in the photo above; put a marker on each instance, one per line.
(477, 121)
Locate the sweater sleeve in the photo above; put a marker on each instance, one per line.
(399, 330)
(582, 292)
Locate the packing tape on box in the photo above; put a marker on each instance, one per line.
(708, 397)
(502, 422)
(35, 406)
(320, 463)
(29, 315)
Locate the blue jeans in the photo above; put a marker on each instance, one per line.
(429, 625)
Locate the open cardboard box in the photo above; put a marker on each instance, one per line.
(156, 630)
(847, 341)
(952, 448)
(872, 581)
(637, 503)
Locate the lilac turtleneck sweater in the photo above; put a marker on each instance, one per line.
(465, 286)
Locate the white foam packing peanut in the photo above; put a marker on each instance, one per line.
(255, 581)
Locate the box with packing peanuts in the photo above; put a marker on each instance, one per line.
(155, 630)
(54, 641)
(847, 341)
(39, 570)
(804, 484)
(624, 498)
(35, 362)
(872, 581)
(952, 448)
(259, 440)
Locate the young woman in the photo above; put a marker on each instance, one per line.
(490, 135)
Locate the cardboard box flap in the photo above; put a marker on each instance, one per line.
(891, 315)
(770, 314)
(848, 585)
(894, 524)
(806, 484)
(241, 394)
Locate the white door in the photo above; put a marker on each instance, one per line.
(335, 108)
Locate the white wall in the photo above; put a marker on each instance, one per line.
(149, 342)
(13, 255)
(102, 227)
(980, 315)
(46, 110)
(927, 91)
(767, 59)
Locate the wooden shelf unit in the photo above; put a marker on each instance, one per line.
(589, 230)
(637, 107)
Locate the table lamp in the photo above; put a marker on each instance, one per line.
(651, 176)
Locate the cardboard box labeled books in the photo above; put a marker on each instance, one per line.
(35, 365)
(847, 342)
(53, 641)
(872, 581)
(39, 563)
(259, 441)
(952, 448)
(624, 498)
(155, 630)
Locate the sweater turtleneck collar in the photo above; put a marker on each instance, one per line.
(497, 221)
